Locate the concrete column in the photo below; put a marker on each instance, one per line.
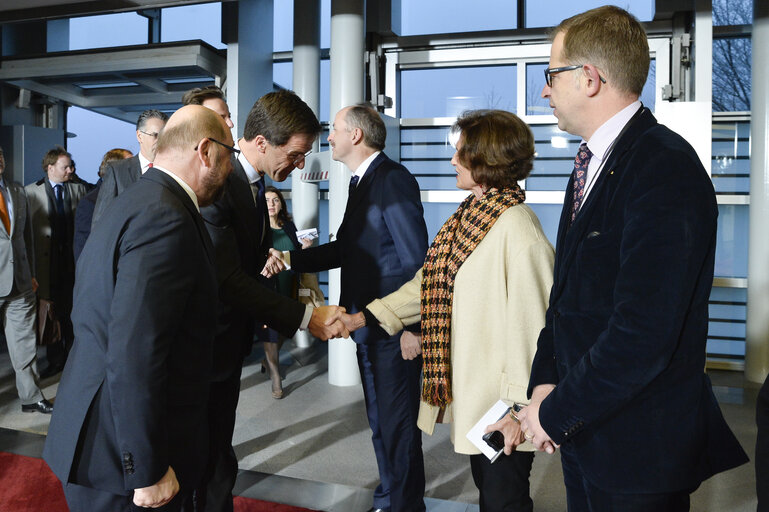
(306, 83)
(757, 338)
(347, 73)
(249, 57)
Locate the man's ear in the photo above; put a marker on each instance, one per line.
(592, 79)
(204, 152)
(260, 143)
(356, 134)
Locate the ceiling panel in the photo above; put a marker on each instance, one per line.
(29, 10)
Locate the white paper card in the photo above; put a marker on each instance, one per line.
(475, 435)
(309, 234)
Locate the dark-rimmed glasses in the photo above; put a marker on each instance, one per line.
(154, 135)
(549, 72)
(235, 151)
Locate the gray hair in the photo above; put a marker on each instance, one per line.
(364, 117)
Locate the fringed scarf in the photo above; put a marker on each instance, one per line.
(456, 240)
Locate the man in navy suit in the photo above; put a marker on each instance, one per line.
(130, 425)
(618, 379)
(380, 245)
(279, 130)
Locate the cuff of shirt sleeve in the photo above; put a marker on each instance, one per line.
(287, 261)
(306, 318)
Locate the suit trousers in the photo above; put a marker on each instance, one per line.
(582, 496)
(503, 485)
(214, 494)
(87, 499)
(762, 448)
(18, 313)
(394, 407)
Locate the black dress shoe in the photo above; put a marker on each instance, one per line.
(43, 406)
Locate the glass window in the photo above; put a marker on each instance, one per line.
(426, 152)
(549, 216)
(443, 16)
(732, 241)
(95, 135)
(447, 92)
(726, 330)
(732, 12)
(730, 166)
(555, 158)
(107, 30)
(551, 13)
(283, 75)
(203, 21)
(731, 74)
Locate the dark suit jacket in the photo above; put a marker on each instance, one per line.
(132, 399)
(241, 244)
(83, 218)
(627, 324)
(380, 244)
(118, 175)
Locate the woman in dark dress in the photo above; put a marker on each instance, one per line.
(286, 283)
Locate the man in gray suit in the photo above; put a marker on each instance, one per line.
(119, 174)
(52, 204)
(17, 292)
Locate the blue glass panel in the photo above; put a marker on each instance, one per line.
(730, 149)
(551, 13)
(107, 30)
(732, 241)
(442, 16)
(650, 87)
(732, 12)
(549, 216)
(96, 134)
(436, 215)
(283, 74)
(731, 74)
(447, 92)
(203, 21)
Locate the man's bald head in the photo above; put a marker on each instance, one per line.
(188, 125)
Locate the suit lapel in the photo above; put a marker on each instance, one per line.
(364, 184)
(569, 237)
(17, 201)
(243, 200)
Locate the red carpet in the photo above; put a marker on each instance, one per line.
(27, 485)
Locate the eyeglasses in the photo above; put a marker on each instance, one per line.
(549, 72)
(297, 159)
(154, 135)
(235, 151)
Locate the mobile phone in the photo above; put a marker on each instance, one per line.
(495, 440)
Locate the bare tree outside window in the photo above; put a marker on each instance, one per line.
(732, 58)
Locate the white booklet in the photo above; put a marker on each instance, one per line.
(309, 234)
(475, 435)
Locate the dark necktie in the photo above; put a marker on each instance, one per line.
(579, 175)
(59, 192)
(353, 183)
(257, 190)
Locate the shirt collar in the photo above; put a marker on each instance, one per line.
(363, 167)
(54, 183)
(604, 136)
(251, 173)
(182, 184)
(143, 163)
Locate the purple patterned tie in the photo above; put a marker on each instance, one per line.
(579, 175)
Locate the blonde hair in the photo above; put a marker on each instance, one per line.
(611, 39)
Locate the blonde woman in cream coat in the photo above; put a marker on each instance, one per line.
(498, 301)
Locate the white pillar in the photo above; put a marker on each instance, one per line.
(306, 83)
(757, 330)
(347, 73)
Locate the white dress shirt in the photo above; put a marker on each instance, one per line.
(602, 141)
(144, 164)
(181, 183)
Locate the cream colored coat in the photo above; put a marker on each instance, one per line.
(500, 297)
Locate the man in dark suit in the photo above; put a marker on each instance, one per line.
(380, 245)
(120, 174)
(86, 206)
(762, 447)
(130, 423)
(618, 378)
(279, 130)
(52, 205)
(18, 307)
